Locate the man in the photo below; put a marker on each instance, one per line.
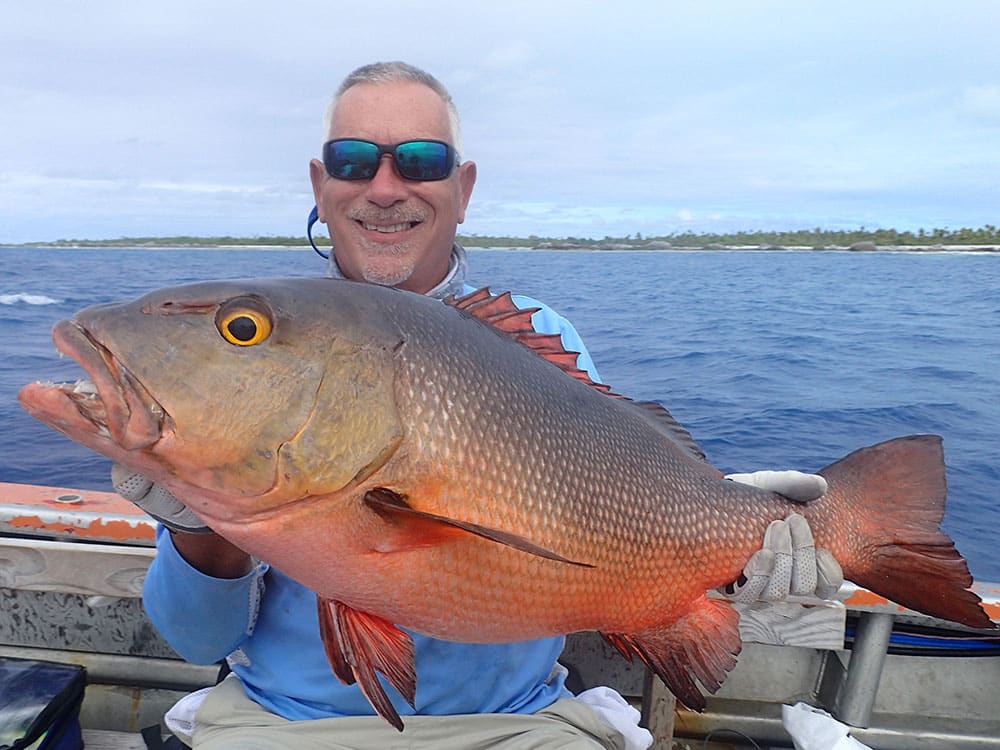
(392, 189)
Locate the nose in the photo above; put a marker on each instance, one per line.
(386, 187)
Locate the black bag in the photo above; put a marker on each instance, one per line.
(40, 703)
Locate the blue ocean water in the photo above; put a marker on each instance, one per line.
(771, 359)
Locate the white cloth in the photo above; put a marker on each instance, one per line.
(814, 729)
(180, 718)
(618, 714)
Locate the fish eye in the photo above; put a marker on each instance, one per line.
(243, 325)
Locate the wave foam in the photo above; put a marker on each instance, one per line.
(27, 299)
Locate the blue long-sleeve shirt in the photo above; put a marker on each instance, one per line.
(266, 625)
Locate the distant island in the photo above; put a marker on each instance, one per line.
(984, 239)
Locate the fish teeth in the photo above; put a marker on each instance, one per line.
(85, 388)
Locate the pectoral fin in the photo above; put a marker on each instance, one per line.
(358, 645)
(702, 645)
(421, 529)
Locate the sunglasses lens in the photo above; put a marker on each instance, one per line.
(351, 160)
(424, 160)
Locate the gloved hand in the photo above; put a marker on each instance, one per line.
(795, 485)
(788, 561)
(156, 501)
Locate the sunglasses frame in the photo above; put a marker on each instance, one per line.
(451, 157)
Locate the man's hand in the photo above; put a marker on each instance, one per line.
(795, 485)
(156, 501)
(201, 547)
(788, 561)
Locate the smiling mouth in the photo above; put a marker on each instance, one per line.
(388, 228)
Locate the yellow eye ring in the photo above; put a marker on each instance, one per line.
(244, 327)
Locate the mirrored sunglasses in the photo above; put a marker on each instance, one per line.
(355, 159)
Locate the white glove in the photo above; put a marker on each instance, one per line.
(788, 561)
(795, 485)
(156, 501)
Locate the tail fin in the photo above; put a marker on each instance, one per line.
(892, 543)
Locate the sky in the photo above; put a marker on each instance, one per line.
(121, 118)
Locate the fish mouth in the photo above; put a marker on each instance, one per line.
(111, 406)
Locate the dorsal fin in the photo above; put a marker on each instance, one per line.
(663, 420)
(500, 312)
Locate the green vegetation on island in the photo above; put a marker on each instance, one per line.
(986, 237)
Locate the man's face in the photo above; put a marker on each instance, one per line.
(388, 230)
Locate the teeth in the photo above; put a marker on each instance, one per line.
(387, 228)
(85, 388)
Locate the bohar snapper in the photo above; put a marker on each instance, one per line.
(444, 468)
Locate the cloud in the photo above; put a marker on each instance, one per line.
(594, 122)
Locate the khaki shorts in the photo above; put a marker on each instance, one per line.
(228, 720)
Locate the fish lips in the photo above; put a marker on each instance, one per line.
(114, 405)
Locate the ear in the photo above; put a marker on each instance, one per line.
(466, 181)
(317, 175)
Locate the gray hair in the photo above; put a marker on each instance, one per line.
(396, 72)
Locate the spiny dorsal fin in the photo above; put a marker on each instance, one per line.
(500, 312)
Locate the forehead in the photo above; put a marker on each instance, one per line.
(390, 112)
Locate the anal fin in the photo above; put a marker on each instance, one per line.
(358, 645)
(701, 645)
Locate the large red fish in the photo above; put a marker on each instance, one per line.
(433, 465)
